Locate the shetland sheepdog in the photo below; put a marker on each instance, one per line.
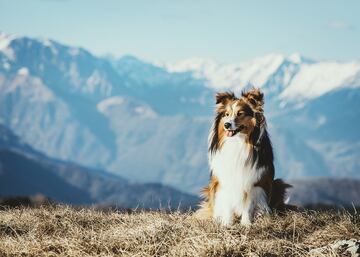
(241, 159)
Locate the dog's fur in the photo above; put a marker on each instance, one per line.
(241, 161)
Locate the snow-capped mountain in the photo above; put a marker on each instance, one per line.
(149, 122)
(230, 76)
(291, 78)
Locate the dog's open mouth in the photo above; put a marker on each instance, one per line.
(231, 133)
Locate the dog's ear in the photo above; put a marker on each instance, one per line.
(223, 97)
(255, 98)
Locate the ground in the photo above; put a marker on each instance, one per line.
(65, 231)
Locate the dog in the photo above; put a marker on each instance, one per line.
(241, 160)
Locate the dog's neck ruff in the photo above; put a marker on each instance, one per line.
(232, 157)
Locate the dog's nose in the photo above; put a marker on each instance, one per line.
(227, 125)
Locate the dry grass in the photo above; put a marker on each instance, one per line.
(65, 231)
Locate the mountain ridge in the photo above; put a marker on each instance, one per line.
(24, 171)
(258, 72)
(112, 114)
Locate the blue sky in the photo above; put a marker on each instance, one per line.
(227, 31)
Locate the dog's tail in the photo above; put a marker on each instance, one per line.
(278, 196)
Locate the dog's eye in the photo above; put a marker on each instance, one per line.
(240, 113)
(252, 101)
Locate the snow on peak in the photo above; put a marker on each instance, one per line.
(145, 111)
(74, 51)
(5, 41)
(6, 66)
(300, 78)
(132, 107)
(48, 43)
(295, 58)
(23, 71)
(258, 71)
(230, 76)
(109, 102)
(313, 80)
(97, 83)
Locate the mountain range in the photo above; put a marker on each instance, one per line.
(27, 172)
(148, 122)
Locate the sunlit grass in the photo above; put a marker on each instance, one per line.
(66, 231)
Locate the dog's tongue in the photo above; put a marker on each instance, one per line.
(229, 133)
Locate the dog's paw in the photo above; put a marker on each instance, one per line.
(245, 220)
(224, 221)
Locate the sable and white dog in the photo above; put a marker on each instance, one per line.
(241, 161)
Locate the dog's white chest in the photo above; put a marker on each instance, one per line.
(236, 179)
(230, 166)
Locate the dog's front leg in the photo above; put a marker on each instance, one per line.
(256, 199)
(223, 211)
(248, 210)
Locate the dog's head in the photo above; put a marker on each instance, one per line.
(240, 116)
(255, 98)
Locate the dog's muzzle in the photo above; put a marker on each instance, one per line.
(231, 133)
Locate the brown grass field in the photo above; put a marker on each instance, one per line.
(65, 231)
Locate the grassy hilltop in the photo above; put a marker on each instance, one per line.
(61, 230)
